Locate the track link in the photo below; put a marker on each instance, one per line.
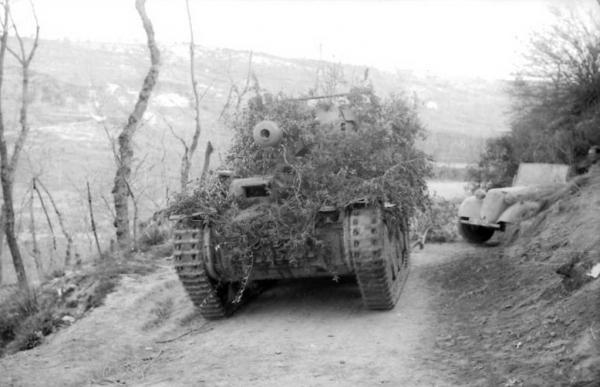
(379, 257)
(190, 267)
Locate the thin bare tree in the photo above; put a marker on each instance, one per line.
(121, 191)
(36, 250)
(61, 222)
(8, 161)
(92, 221)
(190, 149)
(135, 217)
(46, 214)
(239, 93)
(2, 215)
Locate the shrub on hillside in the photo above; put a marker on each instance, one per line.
(25, 318)
(153, 235)
(155, 232)
(556, 103)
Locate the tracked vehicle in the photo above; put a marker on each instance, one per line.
(360, 239)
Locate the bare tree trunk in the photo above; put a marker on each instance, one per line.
(36, 249)
(120, 190)
(2, 216)
(135, 217)
(239, 94)
(45, 209)
(89, 195)
(188, 154)
(246, 88)
(184, 175)
(9, 225)
(207, 153)
(9, 164)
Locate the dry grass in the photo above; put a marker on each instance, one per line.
(160, 313)
(27, 317)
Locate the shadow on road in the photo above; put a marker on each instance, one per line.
(306, 296)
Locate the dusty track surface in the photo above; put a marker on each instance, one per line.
(310, 333)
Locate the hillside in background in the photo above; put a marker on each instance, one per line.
(75, 80)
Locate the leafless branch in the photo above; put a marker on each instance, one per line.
(23, 57)
(235, 89)
(135, 215)
(22, 207)
(227, 103)
(45, 209)
(24, 60)
(175, 134)
(110, 208)
(92, 221)
(36, 249)
(60, 222)
(246, 88)
(121, 190)
(204, 328)
(112, 142)
(139, 165)
(8, 164)
(206, 90)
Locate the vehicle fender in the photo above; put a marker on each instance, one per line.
(493, 205)
(519, 211)
(470, 208)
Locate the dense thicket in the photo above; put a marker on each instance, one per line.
(556, 110)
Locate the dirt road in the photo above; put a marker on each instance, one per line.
(310, 333)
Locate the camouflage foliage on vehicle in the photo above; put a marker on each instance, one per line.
(317, 164)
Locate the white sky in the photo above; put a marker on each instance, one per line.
(447, 37)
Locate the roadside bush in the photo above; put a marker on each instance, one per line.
(443, 214)
(155, 232)
(103, 287)
(161, 312)
(153, 235)
(437, 223)
(25, 318)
